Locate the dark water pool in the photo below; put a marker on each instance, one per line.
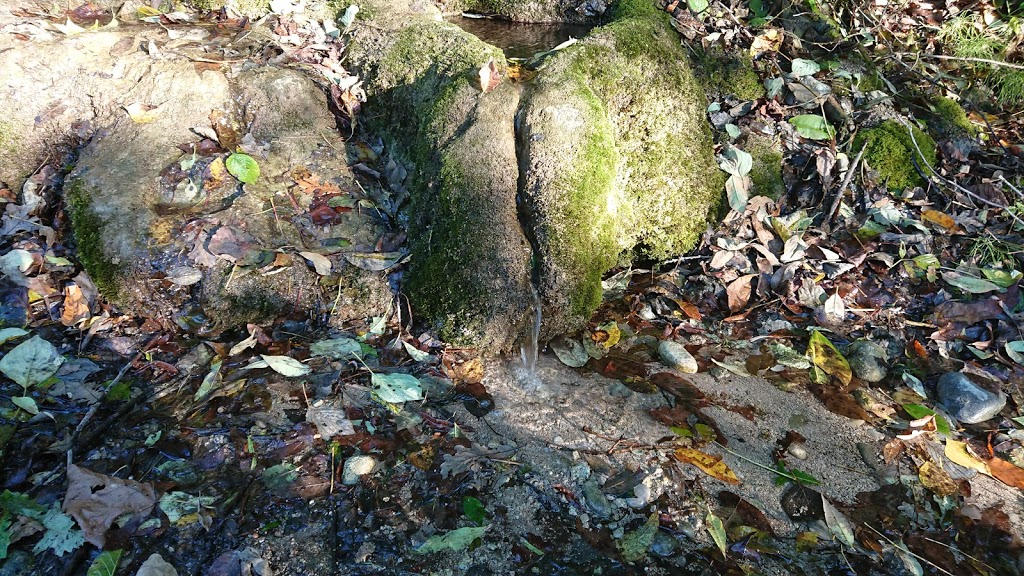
(519, 40)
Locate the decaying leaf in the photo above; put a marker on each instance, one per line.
(141, 113)
(825, 356)
(321, 263)
(957, 453)
(738, 292)
(490, 77)
(76, 307)
(711, 465)
(1006, 472)
(458, 539)
(634, 545)
(838, 523)
(96, 500)
(937, 480)
(397, 388)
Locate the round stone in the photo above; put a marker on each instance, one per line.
(675, 356)
(356, 467)
(966, 401)
(868, 360)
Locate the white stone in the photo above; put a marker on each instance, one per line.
(675, 355)
(355, 467)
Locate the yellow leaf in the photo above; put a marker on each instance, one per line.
(937, 480)
(827, 357)
(940, 219)
(957, 453)
(711, 465)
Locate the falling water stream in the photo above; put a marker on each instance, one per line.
(530, 347)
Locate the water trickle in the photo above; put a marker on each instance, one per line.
(518, 40)
(529, 349)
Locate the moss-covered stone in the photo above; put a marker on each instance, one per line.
(519, 11)
(951, 117)
(88, 230)
(890, 151)
(766, 168)
(729, 73)
(606, 165)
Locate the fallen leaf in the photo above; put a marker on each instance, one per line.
(243, 167)
(155, 565)
(937, 480)
(141, 113)
(969, 283)
(76, 307)
(711, 465)
(286, 365)
(634, 545)
(397, 388)
(95, 500)
(838, 523)
(957, 453)
(105, 564)
(824, 355)
(940, 219)
(717, 530)
(489, 76)
(31, 362)
(1006, 472)
(342, 348)
(320, 263)
(738, 292)
(458, 539)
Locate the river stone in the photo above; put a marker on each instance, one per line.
(357, 467)
(966, 401)
(675, 356)
(868, 360)
(133, 222)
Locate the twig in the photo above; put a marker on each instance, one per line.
(982, 60)
(831, 214)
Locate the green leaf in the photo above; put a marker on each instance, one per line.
(415, 353)
(635, 544)
(788, 356)
(738, 191)
(243, 167)
(31, 362)
(5, 534)
(61, 536)
(11, 333)
(177, 505)
(20, 504)
(802, 67)
(735, 161)
(474, 510)
(969, 283)
(697, 6)
(570, 352)
(717, 530)
(1015, 350)
(812, 127)
(210, 382)
(917, 411)
(926, 261)
(286, 366)
(26, 403)
(733, 131)
(337, 348)
(105, 564)
(838, 524)
(456, 540)
(1002, 278)
(397, 388)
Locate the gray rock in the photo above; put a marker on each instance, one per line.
(868, 360)
(597, 502)
(966, 401)
(356, 467)
(664, 545)
(675, 356)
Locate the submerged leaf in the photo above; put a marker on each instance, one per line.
(458, 539)
(397, 388)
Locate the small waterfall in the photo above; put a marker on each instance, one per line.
(530, 347)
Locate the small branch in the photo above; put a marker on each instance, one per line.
(966, 59)
(831, 214)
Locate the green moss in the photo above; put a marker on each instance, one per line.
(88, 231)
(890, 151)
(951, 117)
(766, 171)
(8, 138)
(625, 9)
(723, 73)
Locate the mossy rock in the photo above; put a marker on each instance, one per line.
(729, 73)
(951, 118)
(766, 167)
(604, 170)
(890, 151)
(608, 167)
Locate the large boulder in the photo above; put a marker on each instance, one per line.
(470, 267)
(616, 156)
(613, 159)
(163, 231)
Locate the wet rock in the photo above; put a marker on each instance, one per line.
(797, 451)
(966, 401)
(597, 502)
(664, 545)
(357, 467)
(675, 356)
(868, 360)
(802, 504)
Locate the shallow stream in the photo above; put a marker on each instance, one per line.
(520, 40)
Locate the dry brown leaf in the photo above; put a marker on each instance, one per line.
(711, 465)
(76, 306)
(96, 500)
(1006, 472)
(739, 292)
(489, 76)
